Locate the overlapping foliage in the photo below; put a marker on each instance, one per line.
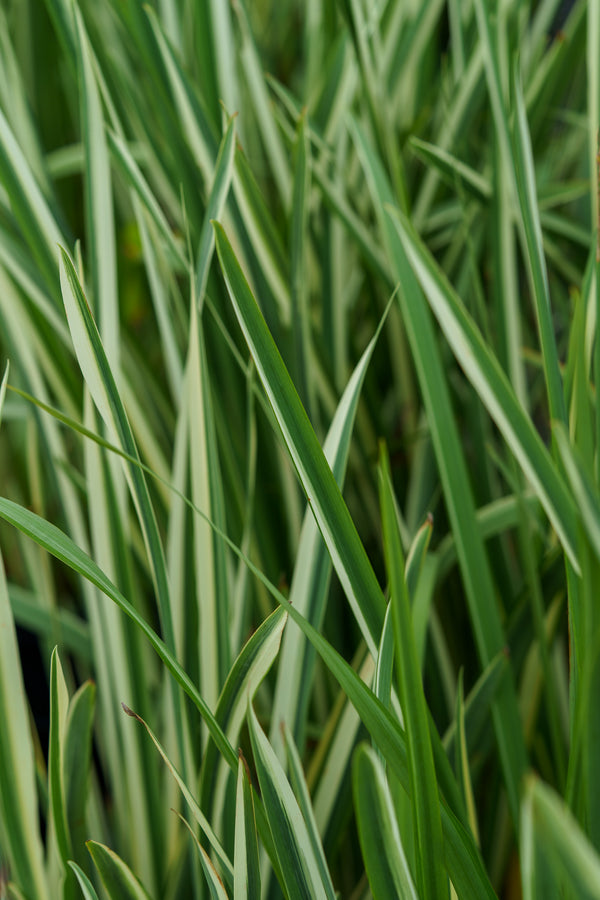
(299, 436)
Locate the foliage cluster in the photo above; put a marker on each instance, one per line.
(299, 446)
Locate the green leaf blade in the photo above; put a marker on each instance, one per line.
(385, 861)
(299, 867)
(324, 497)
(118, 879)
(246, 868)
(488, 379)
(18, 795)
(431, 878)
(59, 703)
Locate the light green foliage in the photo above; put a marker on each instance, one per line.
(247, 250)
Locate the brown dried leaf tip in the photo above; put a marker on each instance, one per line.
(130, 712)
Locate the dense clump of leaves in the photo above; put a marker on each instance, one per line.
(300, 432)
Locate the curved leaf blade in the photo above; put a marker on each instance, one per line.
(431, 877)
(215, 885)
(555, 852)
(299, 868)
(485, 374)
(59, 705)
(18, 796)
(246, 869)
(99, 378)
(308, 590)
(463, 861)
(474, 564)
(98, 187)
(87, 888)
(324, 497)
(63, 548)
(76, 761)
(118, 879)
(387, 868)
(189, 797)
(302, 795)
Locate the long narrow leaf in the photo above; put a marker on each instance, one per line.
(556, 854)
(300, 789)
(298, 270)
(387, 869)
(189, 797)
(308, 590)
(118, 879)
(526, 190)
(99, 206)
(77, 756)
(454, 476)
(463, 861)
(59, 703)
(247, 673)
(214, 207)
(490, 382)
(246, 870)
(63, 548)
(299, 866)
(347, 552)
(431, 877)
(87, 888)
(29, 205)
(215, 885)
(100, 381)
(18, 796)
